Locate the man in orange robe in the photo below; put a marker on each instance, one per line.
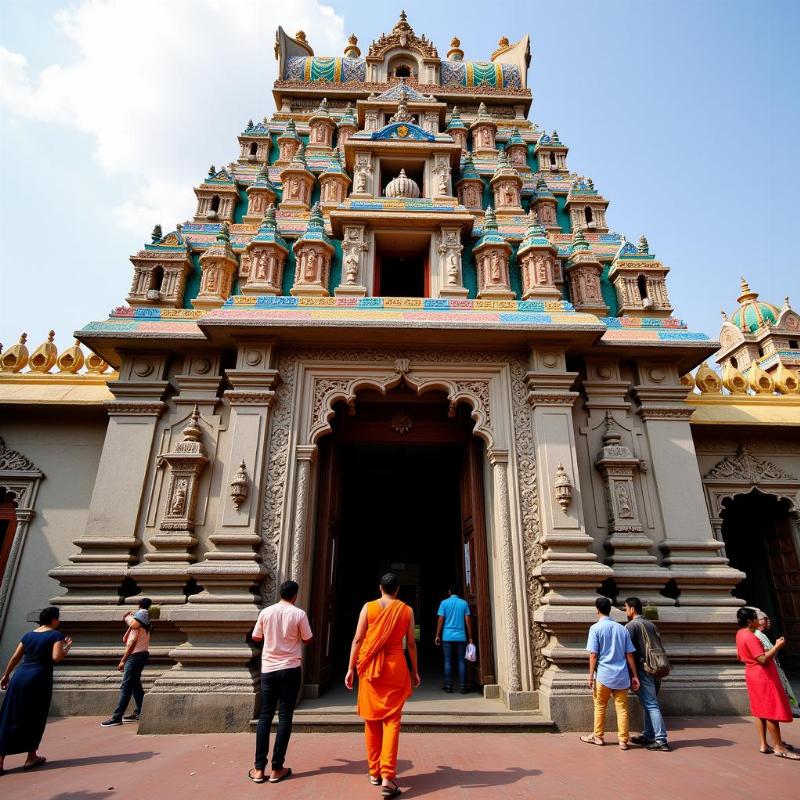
(384, 683)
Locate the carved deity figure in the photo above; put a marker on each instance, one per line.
(351, 268)
(485, 137)
(261, 266)
(541, 270)
(293, 189)
(211, 282)
(452, 268)
(623, 500)
(510, 196)
(179, 498)
(311, 265)
(494, 267)
(361, 181)
(443, 182)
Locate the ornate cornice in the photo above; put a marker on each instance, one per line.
(134, 408)
(665, 412)
(242, 397)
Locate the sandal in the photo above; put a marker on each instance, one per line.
(624, 746)
(391, 791)
(375, 780)
(768, 752)
(593, 740)
(282, 777)
(37, 762)
(789, 755)
(255, 780)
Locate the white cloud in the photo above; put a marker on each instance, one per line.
(163, 87)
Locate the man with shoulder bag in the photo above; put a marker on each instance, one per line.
(652, 665)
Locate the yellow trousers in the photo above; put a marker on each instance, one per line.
(602, 694)
(383, 736)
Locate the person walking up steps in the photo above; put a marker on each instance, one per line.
(453, 633)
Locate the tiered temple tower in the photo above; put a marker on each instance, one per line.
(399, 333)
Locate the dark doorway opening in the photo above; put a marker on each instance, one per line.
(8, 527)
(400, 491)
(761, 540)
(401, 276)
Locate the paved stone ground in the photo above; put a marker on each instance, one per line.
(712, 758)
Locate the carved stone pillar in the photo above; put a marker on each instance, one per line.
(511, 682)
(210, 684)
(636, 571)
(449, 251)
(95, 577)
(570, 573)
(306, 455)
(355, 251)
(104, 552)
(697, 632)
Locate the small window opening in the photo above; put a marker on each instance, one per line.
(761, 352)
(157, 278)
(793, 344)
(215, 203)
(402, 71)
(734, 362)
(587, 212)
(253, 148)
(553, 162)
(641, 282)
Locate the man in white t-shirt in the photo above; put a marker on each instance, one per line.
(283, 628)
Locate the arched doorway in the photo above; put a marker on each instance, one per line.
(400, 489)
(761, 539)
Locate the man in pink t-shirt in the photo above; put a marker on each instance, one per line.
(284, 629)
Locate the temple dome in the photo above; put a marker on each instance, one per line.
(753, 313)
(402, 186)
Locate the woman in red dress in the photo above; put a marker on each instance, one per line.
(768, 702)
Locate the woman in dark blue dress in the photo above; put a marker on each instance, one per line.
(27, 701)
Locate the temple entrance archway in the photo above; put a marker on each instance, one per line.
(761, 539)
(400, 489)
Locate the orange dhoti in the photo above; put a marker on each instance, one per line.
(384, 684)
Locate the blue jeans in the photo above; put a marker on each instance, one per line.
(131, 684)
(654, 728)
(455, 650)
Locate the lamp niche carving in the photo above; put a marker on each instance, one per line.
(563, 488)
(240, 486)
(186, 461)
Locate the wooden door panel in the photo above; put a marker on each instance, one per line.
(785, 568)
(319, 659)
(475, 573)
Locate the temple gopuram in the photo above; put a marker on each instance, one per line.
(398, 334)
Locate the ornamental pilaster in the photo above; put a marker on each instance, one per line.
(96, 572)
(355, 255)
(449, 250)
(441, 187)
(363, 176)
(570, 574)
(218, 264)
(230, 570)
(691, 552)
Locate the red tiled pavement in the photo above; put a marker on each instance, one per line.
(713, 758)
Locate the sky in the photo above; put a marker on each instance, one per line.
(684, 113)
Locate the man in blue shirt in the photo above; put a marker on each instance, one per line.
(612, 671)
(453, 631)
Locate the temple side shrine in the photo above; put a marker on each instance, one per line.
(398, 333)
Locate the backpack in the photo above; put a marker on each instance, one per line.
(656, 662)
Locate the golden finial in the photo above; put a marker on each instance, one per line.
(71, 360)
(352, 50)
(503, 41)
(786, 380)
(15, 358)
(300, 36)
(760, 382)
(44, 357)
(733, 380)
(707, 381)
(95, 364)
